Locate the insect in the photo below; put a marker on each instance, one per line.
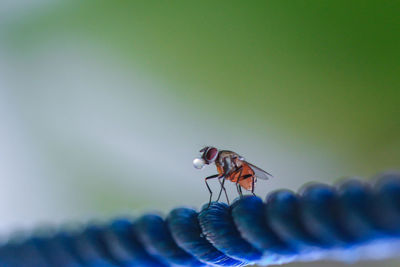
(230, 166)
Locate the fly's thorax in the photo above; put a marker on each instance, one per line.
(225, 161)
(237, 162)
(226, 154)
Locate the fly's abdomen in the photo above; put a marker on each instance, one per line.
(245, 176)
(247, 183)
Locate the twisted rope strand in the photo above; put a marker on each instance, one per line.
(344, 222)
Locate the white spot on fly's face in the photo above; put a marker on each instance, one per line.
(198, 163)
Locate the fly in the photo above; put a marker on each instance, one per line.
(230, 166)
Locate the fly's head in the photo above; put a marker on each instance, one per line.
(208, 155)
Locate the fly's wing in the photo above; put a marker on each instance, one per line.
(259, 173)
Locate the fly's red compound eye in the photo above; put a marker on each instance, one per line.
(211, 154)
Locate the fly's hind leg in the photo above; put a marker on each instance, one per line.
(208, 187)
(238, 188)
(253, 180)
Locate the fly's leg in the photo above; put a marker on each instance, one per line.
(222, 188)
(238, 169)
(226, 194)
(221, 184)
(239, 190)
(239, 187)
(208, 187)
(252, 185)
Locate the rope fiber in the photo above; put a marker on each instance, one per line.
(346, 222)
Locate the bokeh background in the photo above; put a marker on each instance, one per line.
(104, 104)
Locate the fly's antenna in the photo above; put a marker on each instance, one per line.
(349, 221)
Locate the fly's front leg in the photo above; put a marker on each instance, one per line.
(208, 187)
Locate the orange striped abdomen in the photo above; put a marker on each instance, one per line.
(246, 183)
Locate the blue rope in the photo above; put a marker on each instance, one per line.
(310, 225)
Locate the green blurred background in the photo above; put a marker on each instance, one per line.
(104, 104)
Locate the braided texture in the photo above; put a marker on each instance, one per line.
(351, 220)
